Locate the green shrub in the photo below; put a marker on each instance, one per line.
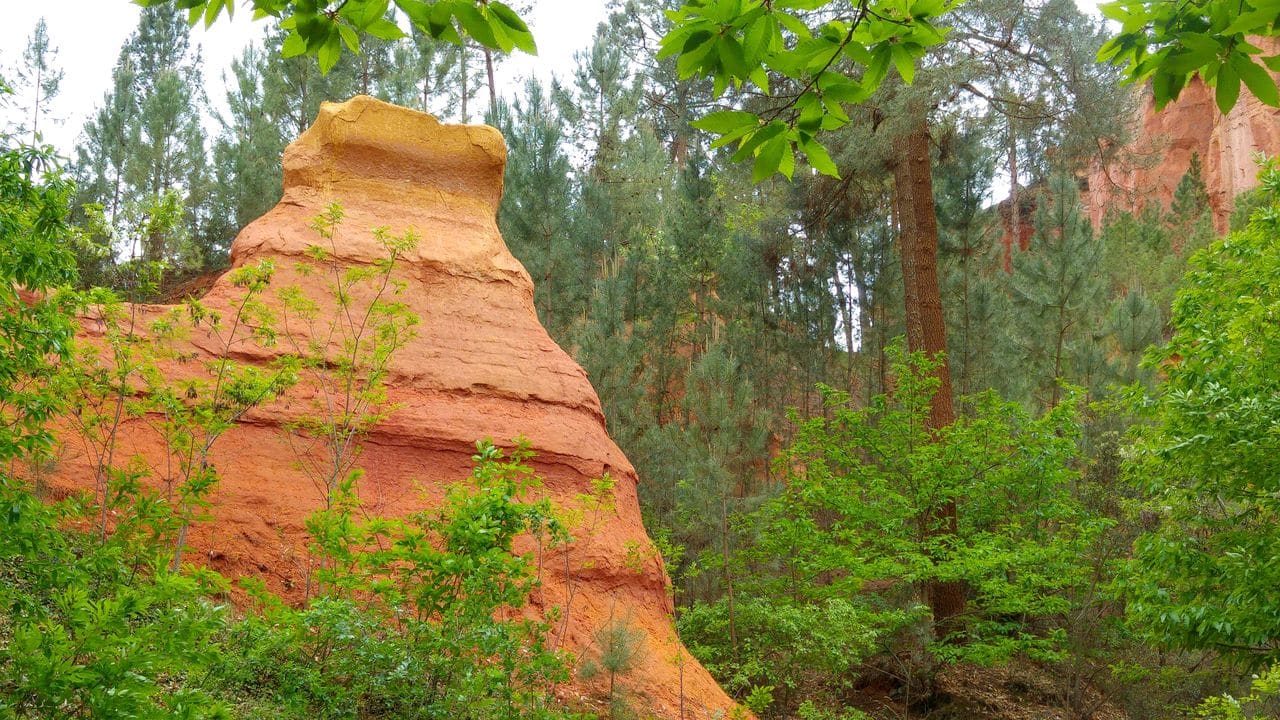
(843, 554)
(1204, 576)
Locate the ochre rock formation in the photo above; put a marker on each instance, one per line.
(1150, 168)
(480, 366)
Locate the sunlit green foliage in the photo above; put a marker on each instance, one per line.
(1205, 576)
(322, 29)
(1170, 43)
(842, 555)
(736, 43)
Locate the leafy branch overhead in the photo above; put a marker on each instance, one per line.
(1168, 43)
(819, 55)
(323, 27)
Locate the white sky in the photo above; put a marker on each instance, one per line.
(88, 35)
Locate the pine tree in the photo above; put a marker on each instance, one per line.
(145, 144)
(536, 215)
(1135, 323)
(1057, 291)
(1190, 217)
(37, 80)
(461, 66)
(247, 153)
(604, 95)
(100, 170)
(293, 88)
(978, 308)
(419, 75)
(710, 463)
(670, 103)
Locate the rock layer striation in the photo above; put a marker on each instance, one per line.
(480, 366)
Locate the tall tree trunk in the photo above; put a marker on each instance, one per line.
(35, 110)
(1015, 201)
(493, 88)
(844, 298)
(866, 343)
(926, 330)
(462, 75)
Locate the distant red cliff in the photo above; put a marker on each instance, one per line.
(1151, 166)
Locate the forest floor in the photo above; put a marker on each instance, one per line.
(1023, 691)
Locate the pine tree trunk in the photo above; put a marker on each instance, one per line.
(926, 331)
(865, 341)
(1015, 202)
(35, 110)
(844, 298)
(462, 75)
(493, 88)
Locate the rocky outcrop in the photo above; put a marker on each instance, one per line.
(1149, 169)
(480, 366)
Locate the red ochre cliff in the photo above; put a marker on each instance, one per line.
(480, 366)
(1151, 166)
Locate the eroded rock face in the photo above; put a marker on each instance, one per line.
(1164, 142)
(481, 366)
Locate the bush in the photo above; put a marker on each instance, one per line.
(842, 557)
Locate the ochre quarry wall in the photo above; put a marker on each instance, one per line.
(481, 366)
(1164, 141)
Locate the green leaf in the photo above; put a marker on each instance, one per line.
(672, 43)
(695, 41)
(523, 41)
(1187, 60)
(858, 53)
(1116, 11)
(787, 166)
(794, 24)
(440, 19)
(838, 88)
(212, 12)
(364, 13)
(384, 29)
(418, 12)
(757, 37)
(349, 37)
(904, 62)
(756, 139)
(878, 68)
(294, 45)
(1256, 78)
(508, 17)
(691, 59)
(1200, 42)
(329, 53)
(769, 157)
(761, 79)
(1165, 88)
(820, 159)
(475, 24)
(1228, 88)
(1251, 23)
(500, 36)
(731, 58)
